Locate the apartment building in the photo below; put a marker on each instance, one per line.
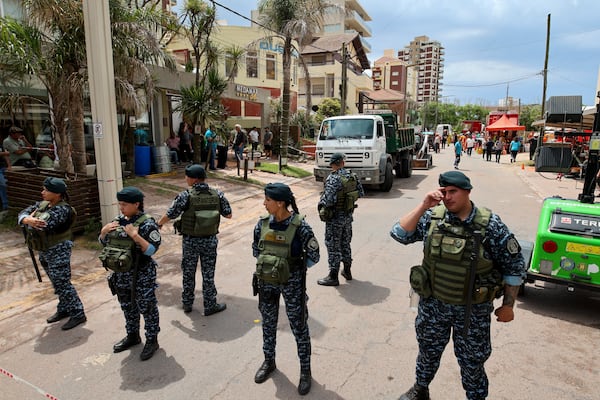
(427, 57)
(324, 59)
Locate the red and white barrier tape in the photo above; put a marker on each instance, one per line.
(37, 389)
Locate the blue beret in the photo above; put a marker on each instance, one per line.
(279, 192)
(336, 158)
(195, 171)
(455, 178)
(55, 185)
(130, 194)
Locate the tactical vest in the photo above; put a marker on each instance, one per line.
(447, 260)
(203, 216)
(42, 240)
(275, 261)
(119, 253)
(348, 194)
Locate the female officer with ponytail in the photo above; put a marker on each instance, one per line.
(129, 243)
(49, 231)
(284, 245)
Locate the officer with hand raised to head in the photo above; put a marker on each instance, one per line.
(470, 258)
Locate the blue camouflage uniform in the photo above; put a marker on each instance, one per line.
(204, 248)
(436, 319)
(293, 292)
(338, 230)
(145, 302)
(56, 260)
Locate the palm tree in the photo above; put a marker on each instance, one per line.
(293, 20)
(201, 102)
(233, 58)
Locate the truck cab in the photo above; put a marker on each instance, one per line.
(362, 140)
(373, 145)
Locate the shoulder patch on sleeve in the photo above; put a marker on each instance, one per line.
(512, 246)
(155, 236)
(313, 244)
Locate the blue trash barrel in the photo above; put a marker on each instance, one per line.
(142, 160)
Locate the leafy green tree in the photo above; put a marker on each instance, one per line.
(529, 114)
(329, 107)
(292, 19)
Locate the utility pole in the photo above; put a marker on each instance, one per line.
(545, 71)
(343, 85)
(104, 109)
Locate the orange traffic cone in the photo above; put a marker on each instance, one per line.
(522, 165)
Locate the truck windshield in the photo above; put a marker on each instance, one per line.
(347, 128)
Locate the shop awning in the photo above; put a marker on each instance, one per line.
(504, 124)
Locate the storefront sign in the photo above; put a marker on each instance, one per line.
(246, 92)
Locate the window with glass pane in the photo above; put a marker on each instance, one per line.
(252, 64)
(271, 71)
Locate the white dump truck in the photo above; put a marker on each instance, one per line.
(375, 148)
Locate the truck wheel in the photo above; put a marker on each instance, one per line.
(386, 186)
(406, 168)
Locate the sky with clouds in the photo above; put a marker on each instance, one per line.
(491, 46)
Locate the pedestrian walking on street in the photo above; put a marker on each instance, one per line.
(470, 258)
(515, 146)
(284, 246)
(457, 152)
(129, 243)
(201, 208)
(48, 226)
(489, 149)
(336, 206)
(498, 146)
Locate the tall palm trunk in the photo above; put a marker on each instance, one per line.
(78, 154)
(285, 100)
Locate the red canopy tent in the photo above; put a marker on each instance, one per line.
(504, 124)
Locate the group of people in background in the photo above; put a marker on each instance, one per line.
(181, 146)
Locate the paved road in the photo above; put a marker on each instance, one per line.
(362, 332)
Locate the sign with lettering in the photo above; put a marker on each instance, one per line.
(246, 92)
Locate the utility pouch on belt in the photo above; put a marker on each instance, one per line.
(272, 269)
(488, 287)
(325, 214)
(116, 259)
(419, 281)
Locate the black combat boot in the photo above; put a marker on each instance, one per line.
(330, 280)
(346, 272)
(416, 393)
(57, 316)
(149, 349)
(128, 341)
(266, 368)
(305, 382)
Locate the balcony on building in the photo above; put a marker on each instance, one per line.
(354, 21)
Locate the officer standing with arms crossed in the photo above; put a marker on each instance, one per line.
(284, 246)
(129, 243)
(49, 231)
(336, 207)
(470, 258)
(201, 208)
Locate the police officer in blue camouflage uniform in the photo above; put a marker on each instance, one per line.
(135, 285)
(200, 208)
(285, 246)
(470, 258)
(336, 208)
(48, 230)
